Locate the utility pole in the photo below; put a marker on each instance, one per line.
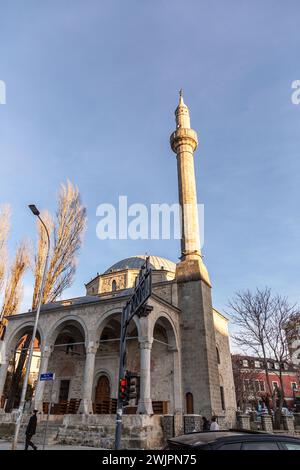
(134, 305)
(35, 212)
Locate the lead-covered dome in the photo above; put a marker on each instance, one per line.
(136, 262)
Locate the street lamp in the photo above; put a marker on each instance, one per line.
(35, 212)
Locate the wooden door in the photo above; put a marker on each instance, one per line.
(189, 403)
(64, 390)
(102, 389)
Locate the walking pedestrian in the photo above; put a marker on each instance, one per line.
(214, 424)
(30, 430)
(205, 424)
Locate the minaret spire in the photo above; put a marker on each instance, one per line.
(184, 142)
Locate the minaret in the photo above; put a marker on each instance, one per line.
(184, 142)
(199, 363)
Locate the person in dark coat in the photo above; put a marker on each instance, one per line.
(205, 424)
(30, 430)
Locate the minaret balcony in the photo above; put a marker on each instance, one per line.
(183, 136)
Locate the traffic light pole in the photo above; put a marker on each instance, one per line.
(133, 306)
(121, 375)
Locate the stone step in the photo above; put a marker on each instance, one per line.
(38, 438)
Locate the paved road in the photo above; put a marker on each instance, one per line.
(5, 445)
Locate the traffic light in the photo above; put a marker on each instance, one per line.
(133, 385)
(129, 387)
(123, 391)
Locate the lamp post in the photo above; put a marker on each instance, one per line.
(35, 212)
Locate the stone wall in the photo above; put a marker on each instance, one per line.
(139, 431)
(200, 375)
(192, 423)
(226, 374)
(66, 367)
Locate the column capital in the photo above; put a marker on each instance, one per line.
(145, 343)
(47, 351)
(92, 347)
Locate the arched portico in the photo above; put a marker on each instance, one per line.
(162, 362)
(65, 354)
(13, 352)
(107, 357)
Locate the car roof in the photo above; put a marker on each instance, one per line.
(197, 438)
(201, 438)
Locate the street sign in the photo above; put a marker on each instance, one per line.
(47, 376)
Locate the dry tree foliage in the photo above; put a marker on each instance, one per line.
(4, 230)
(68, 229)
(14, 289)
(41, 253)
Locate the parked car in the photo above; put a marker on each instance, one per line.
(233, 440)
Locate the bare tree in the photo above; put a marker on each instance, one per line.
(260, 318)
(251, 313)
(41, 254)
(4, 230)
(67, 230)
(280, 324)
(14, 288)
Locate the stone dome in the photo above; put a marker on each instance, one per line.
(136, 262)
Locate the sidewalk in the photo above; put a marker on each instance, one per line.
(6, 445)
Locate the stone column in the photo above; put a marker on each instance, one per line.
(3, 373)
(266, 421)
(177, 389)
(243, 421)
(86, 404)
(145, 402)
(288, 423)
(40, 386)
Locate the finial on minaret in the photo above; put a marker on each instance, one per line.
(181, 97)
(182, 113)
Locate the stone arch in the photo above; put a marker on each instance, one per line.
(167, 322)
(68, 319)
(107, 316)
(165, 361)
(16, 335)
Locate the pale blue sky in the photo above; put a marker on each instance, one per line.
(91, 91)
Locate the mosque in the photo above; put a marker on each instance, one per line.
(180, 349)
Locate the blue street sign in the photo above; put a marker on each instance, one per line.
(47, 376)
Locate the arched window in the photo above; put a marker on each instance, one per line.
(218, 356)
(189, 403)
(114, 286)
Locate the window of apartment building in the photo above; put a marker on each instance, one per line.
(293, 385)
(246, 384)
(262, 385)
(257, 364)
(256, 384)
(270, 365)
(277, 365)
(245, 363)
